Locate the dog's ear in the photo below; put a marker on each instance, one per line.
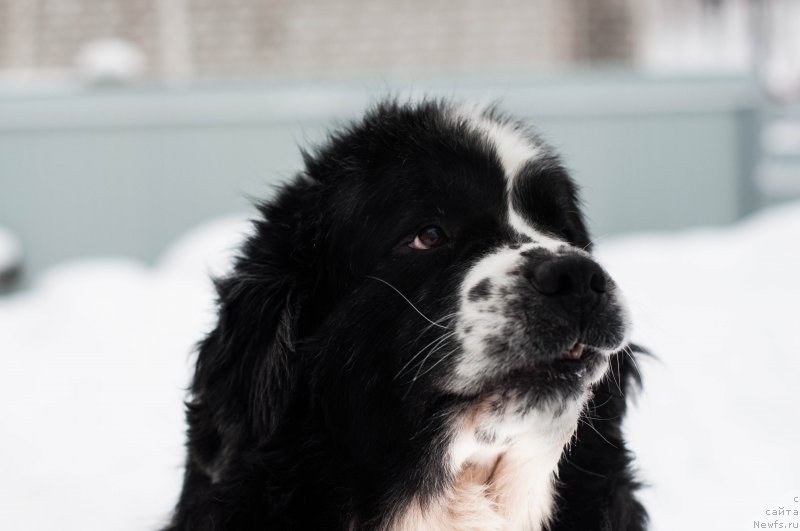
(247, 367)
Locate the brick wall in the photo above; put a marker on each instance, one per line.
(208, 39)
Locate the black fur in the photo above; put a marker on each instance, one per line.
(596, 483)
(303, 411)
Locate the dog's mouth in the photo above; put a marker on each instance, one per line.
(570, 367)
(572, 361)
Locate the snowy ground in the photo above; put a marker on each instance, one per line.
(95, 357)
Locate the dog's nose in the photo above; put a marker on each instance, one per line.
(574, 275)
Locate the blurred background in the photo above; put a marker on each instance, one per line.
(124, 123)
(136, 134)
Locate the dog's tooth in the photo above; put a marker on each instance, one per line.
(577, 350)
(573, 353)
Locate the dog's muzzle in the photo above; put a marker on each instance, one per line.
(538, 311)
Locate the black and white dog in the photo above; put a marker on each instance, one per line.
(415, 337)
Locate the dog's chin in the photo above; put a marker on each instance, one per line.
(543, 398)
(552, 387)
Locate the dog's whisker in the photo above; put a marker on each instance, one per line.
(595, 407)
(432, 352)
(422, 334)
(628, 351)
(441, 359)
(591, 425)
(575, 466)
(416, 376)
(447, 319)
(408, 301)
(603, 418)
(615, 375)
(436, 348)
(437, 340)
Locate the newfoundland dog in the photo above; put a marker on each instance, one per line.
(415, 337)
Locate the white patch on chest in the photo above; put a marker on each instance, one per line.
(503, 485)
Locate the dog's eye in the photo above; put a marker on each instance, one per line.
(430, 236)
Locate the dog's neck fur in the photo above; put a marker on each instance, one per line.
(505, 482)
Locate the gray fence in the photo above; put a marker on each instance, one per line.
(126, 171)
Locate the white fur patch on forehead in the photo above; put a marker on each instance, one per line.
(495, 266)
(515, 148)
(521, 226)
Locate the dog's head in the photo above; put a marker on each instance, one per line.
(427, 274)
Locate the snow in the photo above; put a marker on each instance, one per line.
(95, 358)
(93, 365)
(716, 430)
